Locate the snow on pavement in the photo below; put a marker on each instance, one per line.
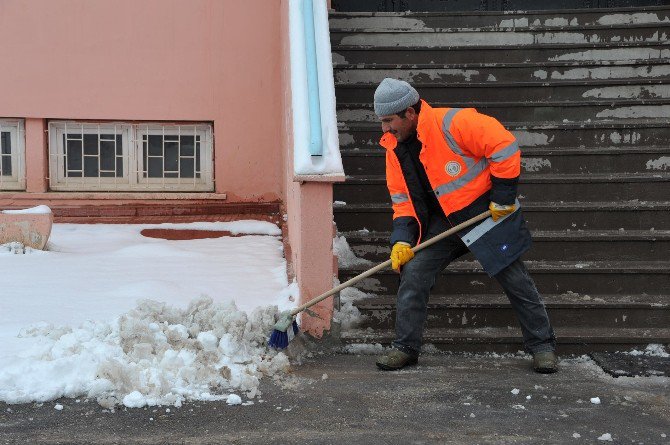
(109, 314)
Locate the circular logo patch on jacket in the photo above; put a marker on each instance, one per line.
(452, 168)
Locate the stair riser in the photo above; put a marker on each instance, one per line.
(553, 250)
(651, 33)
(511, 93)
(557, 219)
(565, 346)
(529, 112)
(515, 54)
(533, 162)
(357, 193)
(615, 191)
(550, 138)
(477, 282)
(564, 20)
(467, 318)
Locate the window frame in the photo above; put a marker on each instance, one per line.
(132, 179)
(204, 183)
(57, 179)
(17, 180)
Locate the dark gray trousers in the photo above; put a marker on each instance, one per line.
(418, 277)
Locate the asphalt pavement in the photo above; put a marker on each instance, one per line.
(343, 399)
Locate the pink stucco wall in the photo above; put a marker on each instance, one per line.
(222, 61)
(309, 210)
(158, 60)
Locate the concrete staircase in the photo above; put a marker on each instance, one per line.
(587, 93)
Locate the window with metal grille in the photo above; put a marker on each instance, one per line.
(12, 155)
(174, 155)
(124, 156)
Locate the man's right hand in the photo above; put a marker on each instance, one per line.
(400, 255)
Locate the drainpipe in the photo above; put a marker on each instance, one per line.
(315, 138)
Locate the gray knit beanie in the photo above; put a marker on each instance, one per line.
(393, 96)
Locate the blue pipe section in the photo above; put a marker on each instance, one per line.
(315, 139)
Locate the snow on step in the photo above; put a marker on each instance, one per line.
(417, 22)
(432, 40)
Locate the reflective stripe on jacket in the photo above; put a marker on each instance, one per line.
(462, 150)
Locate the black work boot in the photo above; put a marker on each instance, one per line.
(396, 359)
(545, 362)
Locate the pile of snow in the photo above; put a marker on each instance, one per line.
(111, 315)
(17, 248)
(345, 256)
(153, 355)
(31, 211)
(363, 349)
(234, 399)
(652, 350)
(246, 227)
(348, 315)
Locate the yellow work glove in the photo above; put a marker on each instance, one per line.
(499, 210)
(400, 255)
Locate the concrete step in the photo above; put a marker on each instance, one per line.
(568, 215)
(110, 210)
(588, 277)
(594, 134)
(570, 340)
(594, 186)
(429, 75)
(547, 110)
(573, 245)
(537, 91)
(560, 67)
(519, 37)
(576, 52)
(535, 187)
(479, 20)
(565, 310)
(568, 160)
(520, 7)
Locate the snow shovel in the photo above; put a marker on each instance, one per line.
(279, 338)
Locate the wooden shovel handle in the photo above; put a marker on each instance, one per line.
(387, 263)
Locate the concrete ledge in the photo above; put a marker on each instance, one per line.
(113, 196)
(319, 178)
(125, 211)
(30, 227)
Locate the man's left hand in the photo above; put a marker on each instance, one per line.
(499, 210)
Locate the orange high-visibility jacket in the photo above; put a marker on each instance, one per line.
(461, 150)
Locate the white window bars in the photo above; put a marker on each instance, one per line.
(12, 155)
(130, 157)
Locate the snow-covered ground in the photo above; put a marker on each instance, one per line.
(109, 314)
